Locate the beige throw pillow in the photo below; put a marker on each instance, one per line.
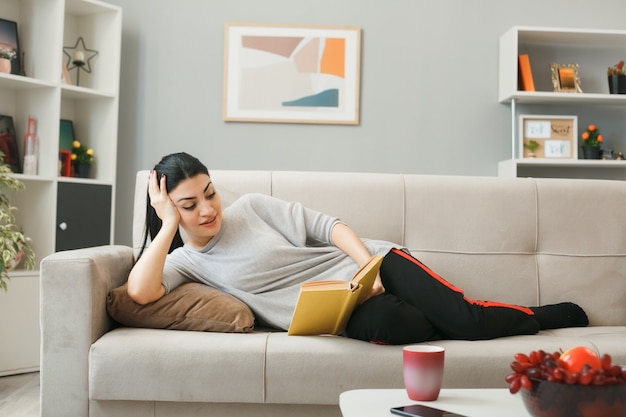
(191, 306)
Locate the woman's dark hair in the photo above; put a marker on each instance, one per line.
(176, 167)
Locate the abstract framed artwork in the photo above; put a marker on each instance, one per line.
(291, 74)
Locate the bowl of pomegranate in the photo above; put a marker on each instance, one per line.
(576, 383)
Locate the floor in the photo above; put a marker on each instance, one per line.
(19, 395)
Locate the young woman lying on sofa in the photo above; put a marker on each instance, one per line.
(260, 249)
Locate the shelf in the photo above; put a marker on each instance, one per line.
(45, 179)
(562, 168)
(547, 97)
(578, 163)
(18, 82)
(564, 37)
(76, 180)
(99, 25)
(83, 93)
(36, 178)
(19, 273)
(593, 50)
(86, 7)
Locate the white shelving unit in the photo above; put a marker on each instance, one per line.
(594, 51)
(44, 28)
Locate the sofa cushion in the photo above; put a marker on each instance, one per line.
(162, 365)
(191, 306)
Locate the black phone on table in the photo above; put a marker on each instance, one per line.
(418, 410)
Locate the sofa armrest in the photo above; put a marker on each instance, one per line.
(74, 286)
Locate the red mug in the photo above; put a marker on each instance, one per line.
(423, 371)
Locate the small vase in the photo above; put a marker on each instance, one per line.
(591, 152)
(5, 65)
(617, 84)
(82, 170)
(16, 261)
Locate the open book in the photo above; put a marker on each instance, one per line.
(324, 307)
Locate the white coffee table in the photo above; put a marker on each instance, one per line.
(475, 402)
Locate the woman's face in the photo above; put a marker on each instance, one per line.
(200, 209)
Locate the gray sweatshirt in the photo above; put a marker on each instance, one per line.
(265, 249)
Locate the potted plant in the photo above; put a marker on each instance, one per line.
(14, 246)
(532, 146)
(592, 141)
(617, 78)
(6, 56)
(82, 159)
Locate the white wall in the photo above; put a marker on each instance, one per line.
(429, 73)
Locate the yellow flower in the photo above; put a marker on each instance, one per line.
(81, 154)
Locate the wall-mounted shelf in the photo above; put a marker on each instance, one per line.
(543, 97)
(594, 50)
(581, 168)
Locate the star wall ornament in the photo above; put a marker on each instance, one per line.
(79, 57)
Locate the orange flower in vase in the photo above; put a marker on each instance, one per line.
(592, 139)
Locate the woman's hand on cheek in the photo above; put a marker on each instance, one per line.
(161, 201)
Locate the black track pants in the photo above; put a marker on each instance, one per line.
(419, 305)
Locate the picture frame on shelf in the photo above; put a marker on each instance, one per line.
(66, 138)
(292, 73)
(66, 134)
(8, 144)
(548, 137)
(9, 43)
(565, 78)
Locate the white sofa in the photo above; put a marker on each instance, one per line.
(523, 241)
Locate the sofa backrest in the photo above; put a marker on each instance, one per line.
(516, 240)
